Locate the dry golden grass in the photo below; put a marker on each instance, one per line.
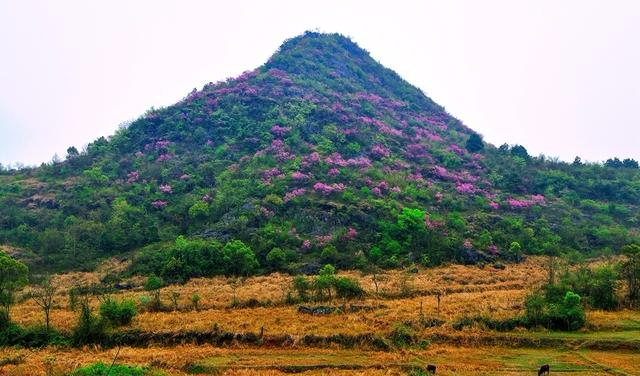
(468, 361)
(466, 290)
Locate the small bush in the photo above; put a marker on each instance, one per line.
(101, 369)
(402, 335)
(347, 288)
(118, 313)
(90, 329)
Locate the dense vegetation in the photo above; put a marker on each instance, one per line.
(319, 156)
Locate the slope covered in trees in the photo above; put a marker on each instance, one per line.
(320, 155)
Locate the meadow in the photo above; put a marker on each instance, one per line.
(340, 343)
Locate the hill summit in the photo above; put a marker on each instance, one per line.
(321, 155)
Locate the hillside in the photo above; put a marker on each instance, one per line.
(320, 155)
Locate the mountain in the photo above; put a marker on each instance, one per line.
(320, 155)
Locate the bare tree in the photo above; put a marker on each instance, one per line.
(43, 296)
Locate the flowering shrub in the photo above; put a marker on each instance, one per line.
(293, 194)
(164, 157)
(280, 131)
(380, 151)
(159, 204)
(165, 188)
(133, 177)
(327, 189)
(297, 175)
(465, 188)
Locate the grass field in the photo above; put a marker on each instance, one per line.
(610, 345)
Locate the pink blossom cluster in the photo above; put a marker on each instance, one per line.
(466, 188)
(268, 174)
(467, 244)
(416, 151)
(310, 159)
(455, 149)
(293, 194)
(435, 120)
(382, 127)
(439, 196)
(431, 224)
(334, 172)
(184, 177)
(337, 160)
(327, 189)
(396, 189)
(322, 240)
(159, 204)
(494, 205)
(133, 177)
(380, 151)
(280, 131)
(139, 154)
(493, 249)
(297, 175)
(373, 98)
(277, 147)
(306, 244)
(523, 204)
(165, 188)
(267, 212)
(350, 234)
(283, 76)
(165, 157)
(206, 198)
(422, 133)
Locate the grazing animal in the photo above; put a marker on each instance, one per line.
(431, 369)
(544, 370)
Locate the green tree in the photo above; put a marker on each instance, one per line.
(277, 258)
(153, 285)
(631, 271)
(347, 288)
(302, 286)
(239, 259)
(474, 143)
(13, 276)
(325, 281)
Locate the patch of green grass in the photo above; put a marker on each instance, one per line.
(101, 369)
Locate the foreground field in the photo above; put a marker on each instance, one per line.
(205, 359)
(282, 340)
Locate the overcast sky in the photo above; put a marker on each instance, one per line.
(559, 77)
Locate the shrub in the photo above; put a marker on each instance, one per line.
(347, 288)
(195, 300)
(118, 313)
(277, 258)
(101, 369)
(90, 329)
(402, 335)
(302, 286)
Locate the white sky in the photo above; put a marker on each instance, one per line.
(560, 77)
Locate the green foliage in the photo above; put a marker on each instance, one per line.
(547, 311)
(102, 369)
(13, 276)
(474, 143)
(239, 259)
(277, 258)
(347, 288)
(355, 146)
(403, 335)
(118, 313)
(89, 329)
(302, 286)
